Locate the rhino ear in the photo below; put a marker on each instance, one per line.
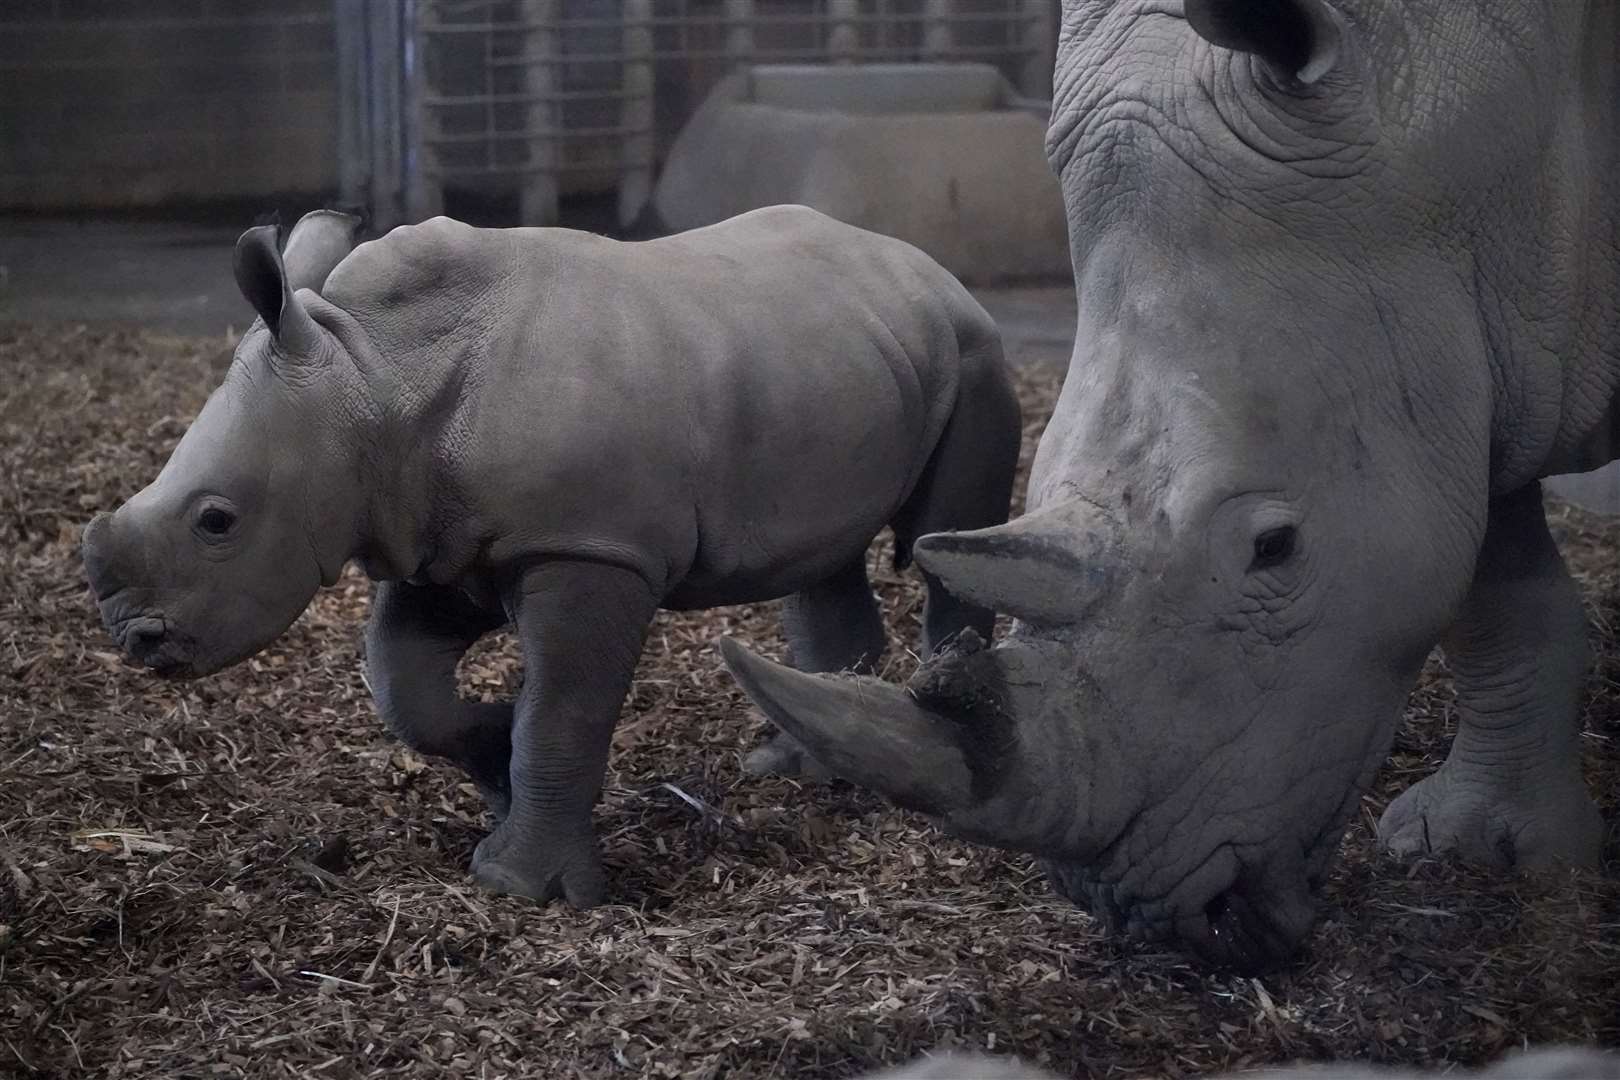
(1299, 39)
(320, 240)
(262, 278)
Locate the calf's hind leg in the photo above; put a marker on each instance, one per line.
(968, 485)
(834, 625)
(1510, 792)
(415, 637)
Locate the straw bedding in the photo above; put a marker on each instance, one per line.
(243, 875)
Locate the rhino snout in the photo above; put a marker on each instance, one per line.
(1247, 919)
(146, 639)
(142, 635)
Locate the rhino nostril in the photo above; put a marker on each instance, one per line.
(1217, 908)
(142, 636)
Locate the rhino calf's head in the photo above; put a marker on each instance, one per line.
(255, 509)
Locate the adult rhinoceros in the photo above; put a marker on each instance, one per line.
(1349, 284)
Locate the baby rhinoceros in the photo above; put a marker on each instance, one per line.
(563, 432)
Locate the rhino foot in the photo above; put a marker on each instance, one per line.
(1496, 821)
(510, 864)
(784, 756)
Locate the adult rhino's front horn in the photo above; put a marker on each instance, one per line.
(993, 742)
(864, 730)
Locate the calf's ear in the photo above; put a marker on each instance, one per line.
(320, 240)
(262, 277)
(1297, 39)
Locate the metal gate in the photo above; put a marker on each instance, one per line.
(539, 99)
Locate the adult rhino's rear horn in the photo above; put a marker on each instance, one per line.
(1045, 568)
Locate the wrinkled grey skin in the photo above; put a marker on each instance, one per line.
(563, 432)
(1545, 1063)
(1347, 278)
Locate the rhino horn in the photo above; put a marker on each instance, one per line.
(1045, 568)
(262, 277)
(864, 730)
(320, 240)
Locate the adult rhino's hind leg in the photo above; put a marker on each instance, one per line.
(1510, 793)
(834, 625)
(415, 637)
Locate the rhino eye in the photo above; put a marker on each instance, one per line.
(1272, 547)
(216, 522)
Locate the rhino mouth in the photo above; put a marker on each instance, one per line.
(1245, 908)
(1242, 927)
(151, 641)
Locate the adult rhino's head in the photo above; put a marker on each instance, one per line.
(1308, 238)
(255, 509)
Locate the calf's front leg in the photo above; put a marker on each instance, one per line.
(581, 626)
(1510, 793)
(414, 638)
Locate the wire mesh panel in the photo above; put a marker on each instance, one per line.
(545, 98)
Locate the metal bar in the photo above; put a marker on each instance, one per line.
(385, 49)
(521, 169)
(603, 131)
(635, 181)
(489, 90)
(540, 47)
(1039, 37)
(461, 101)
(843, 35)
(766, 54)
(937, 36)
(740, 17)
(423, 198)
(761, 19)
(354, 129)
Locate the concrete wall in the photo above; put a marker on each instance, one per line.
(127, 103)
(972, 189)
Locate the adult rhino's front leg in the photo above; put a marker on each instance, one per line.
(1510, 793)
(415, 637)
(581, 626)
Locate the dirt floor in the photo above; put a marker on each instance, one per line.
(243, 876)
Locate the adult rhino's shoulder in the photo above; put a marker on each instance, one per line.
(414, 259)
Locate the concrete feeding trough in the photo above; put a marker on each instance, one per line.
(943, 156)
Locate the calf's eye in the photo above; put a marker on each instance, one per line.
(216, 522)
(1273, 547)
